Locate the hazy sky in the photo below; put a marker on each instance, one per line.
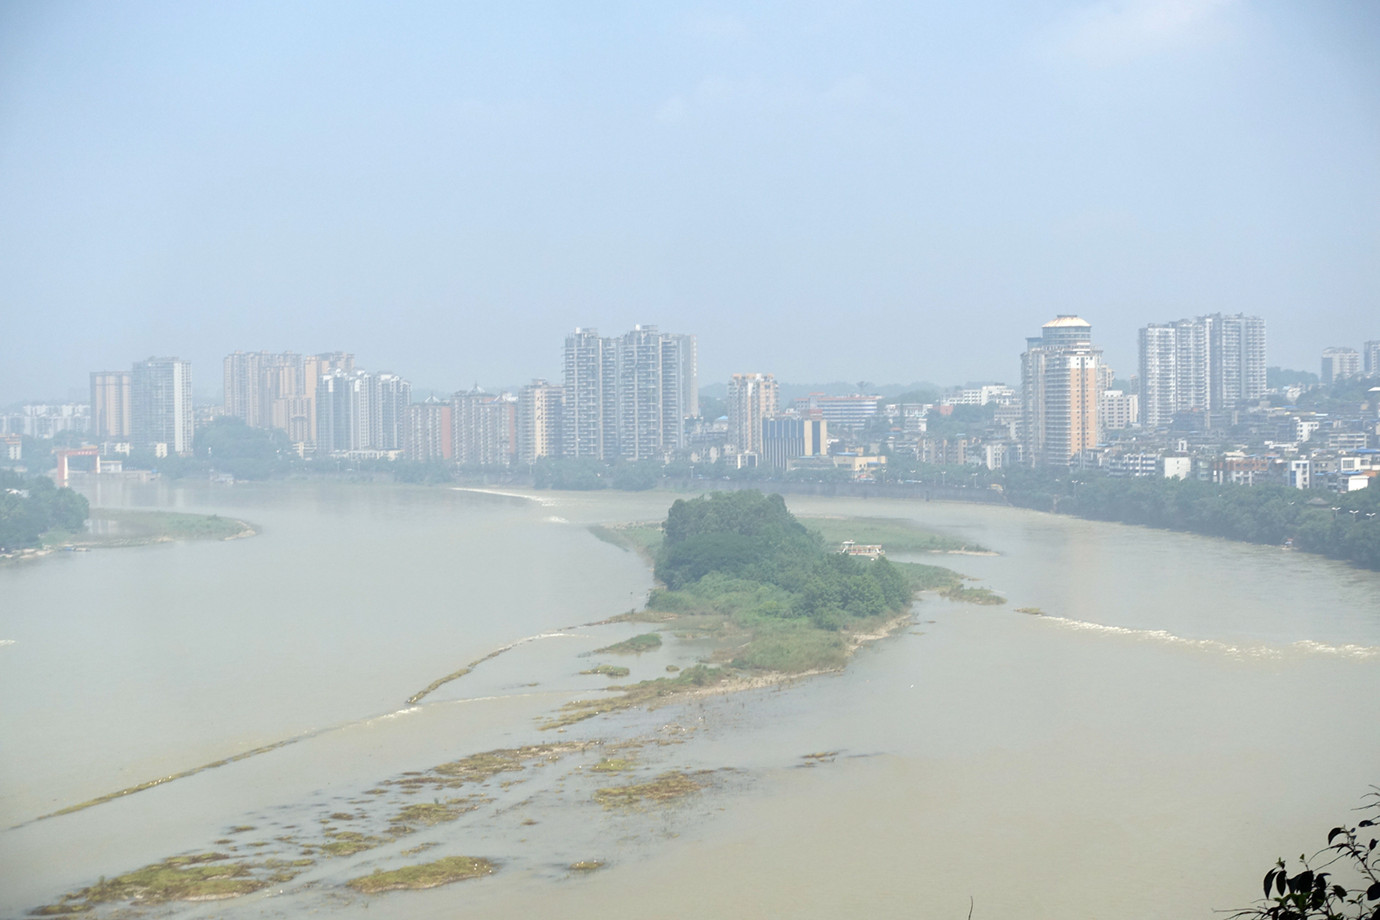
(842, 190)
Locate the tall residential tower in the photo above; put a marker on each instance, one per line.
(629, 396)
(161, 405)
(751, 400)
(1206, 364)
(111, 405)
(1061, 379)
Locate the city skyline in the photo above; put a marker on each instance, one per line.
(437, 183)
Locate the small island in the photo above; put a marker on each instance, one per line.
(776, 598)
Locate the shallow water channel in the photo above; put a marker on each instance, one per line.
(1185, 711)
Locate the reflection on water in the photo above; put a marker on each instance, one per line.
(1056, 765)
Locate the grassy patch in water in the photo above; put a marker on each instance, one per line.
(981, 596)
(894, 536)
(427, 875)
(429, 813)
(634, 646)
(613, 765)
(479, 768)
(792, 646)
(587, 865)
(196, 877)
(117, 527)
(641, 538)
(348, 843)
(643, 693)
(665, 788)
(609, 670)
(929, 577)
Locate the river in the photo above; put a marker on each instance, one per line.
(1184, 711)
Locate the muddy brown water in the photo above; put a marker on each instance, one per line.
(1145, 748)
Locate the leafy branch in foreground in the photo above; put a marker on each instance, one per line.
(1314, 894)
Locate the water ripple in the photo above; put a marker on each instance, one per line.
(1256, 651)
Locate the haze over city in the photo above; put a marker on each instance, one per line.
(822, 191)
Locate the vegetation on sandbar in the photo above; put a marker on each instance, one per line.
(664, 788)
(743, 557)
(642, 693)
(127, 528)
(196, 877)
(348, 843)
(738, 569)
(894, 535)
(426, 875)
(429, 813)
(982, 596)
(634, 646)
(608, 670)
(478, 768)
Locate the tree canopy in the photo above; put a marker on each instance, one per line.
(748, 536)
(32, 506)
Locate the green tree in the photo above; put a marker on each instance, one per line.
(229, 445)
(1339, 882)
(31, 506)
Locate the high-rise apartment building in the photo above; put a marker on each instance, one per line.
(356, 410)
(112, 405)
(161, 405)
(389, 397)
(752, 399)
(628, 397)
(1371, 359)
(1340, 362)
(429, 436)
(590, 423)
(1206, 363)
(1371, 353)
(484, 427)
(342, 412)
(539, 421)
(278, 390)
(1060, 374)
